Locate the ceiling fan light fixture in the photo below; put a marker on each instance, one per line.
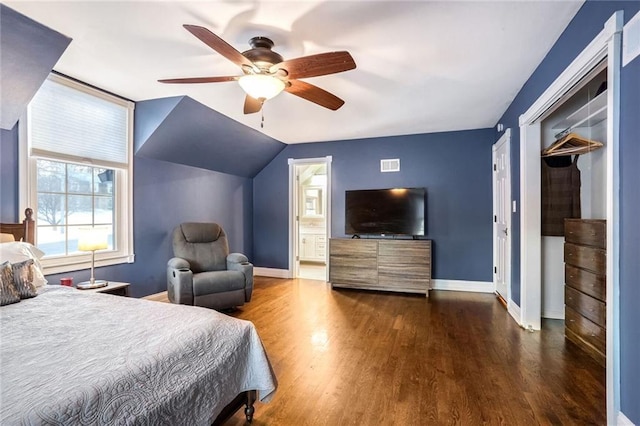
(261, 86)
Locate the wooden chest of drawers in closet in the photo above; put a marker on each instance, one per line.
(585, 260)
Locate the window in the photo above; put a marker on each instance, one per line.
(75, 149)
(70, 198)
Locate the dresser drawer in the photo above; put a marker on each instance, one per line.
(354, 249)
(588, 331)
(586, 232)
(351, 275)
(414, 276)
(586, 306)
(590, 258)
(400, 249)
(586, 281)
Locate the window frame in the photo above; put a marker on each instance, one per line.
(123, 188)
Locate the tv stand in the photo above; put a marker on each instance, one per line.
(380, 264)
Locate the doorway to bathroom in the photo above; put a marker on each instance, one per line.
(310, 202)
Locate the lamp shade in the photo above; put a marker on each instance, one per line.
(93, 239)
(260, 86)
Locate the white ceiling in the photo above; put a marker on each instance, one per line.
(422, 66)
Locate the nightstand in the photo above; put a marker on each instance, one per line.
(114, 287)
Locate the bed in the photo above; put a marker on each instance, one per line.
(69, 357)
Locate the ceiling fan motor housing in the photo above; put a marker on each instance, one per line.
(261, 54)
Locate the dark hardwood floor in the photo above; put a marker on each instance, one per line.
(347, 357)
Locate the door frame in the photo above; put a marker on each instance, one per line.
(505, 140)
(294, 197)
(605, 46)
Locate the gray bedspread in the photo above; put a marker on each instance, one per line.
(68, 357)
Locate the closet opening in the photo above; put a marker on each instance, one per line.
(573, 186)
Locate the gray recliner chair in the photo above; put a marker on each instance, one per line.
(203, 272)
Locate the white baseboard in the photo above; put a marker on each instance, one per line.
(514, 311)
(624, 420)
(271, 272)
(553, 314)
(451, 285)
(459, 285)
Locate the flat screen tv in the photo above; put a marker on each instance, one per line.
(397, 211)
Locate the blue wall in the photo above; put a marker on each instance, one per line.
(184, 131)
(454, 167)
(630, 240)
(9, 175)
(164, 195)
(28, 52)
(587, 23)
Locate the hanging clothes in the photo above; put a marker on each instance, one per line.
(560, 193)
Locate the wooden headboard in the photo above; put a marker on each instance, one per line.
(24, 231)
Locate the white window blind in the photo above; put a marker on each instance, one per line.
(78, 126)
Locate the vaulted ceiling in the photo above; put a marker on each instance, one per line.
(422, 66)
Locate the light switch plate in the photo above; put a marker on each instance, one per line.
(631, 40)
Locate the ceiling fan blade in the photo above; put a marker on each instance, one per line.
(200, 79)
(252, 105)
(219, 45)
(314, 94)
(316, 65)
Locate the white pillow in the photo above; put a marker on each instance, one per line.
(7, 238)
(18, 251)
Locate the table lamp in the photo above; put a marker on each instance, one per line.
(91, 240)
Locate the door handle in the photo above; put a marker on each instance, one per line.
(506, 231)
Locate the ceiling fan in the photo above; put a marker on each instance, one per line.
(266, 74)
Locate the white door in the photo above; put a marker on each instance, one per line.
(502, 216)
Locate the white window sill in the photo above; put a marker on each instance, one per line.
(62, 265)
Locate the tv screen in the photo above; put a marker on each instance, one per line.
(398, 211)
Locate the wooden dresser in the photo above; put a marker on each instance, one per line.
(585, 260)
(388, 265)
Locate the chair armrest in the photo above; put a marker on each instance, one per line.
(178, 263)
(179, 281)
(239, 262)
(236, 258)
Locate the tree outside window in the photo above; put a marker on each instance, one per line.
(72, 197)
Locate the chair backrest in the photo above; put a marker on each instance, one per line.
(203, 245)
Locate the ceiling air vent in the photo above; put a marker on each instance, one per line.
(390, 165)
